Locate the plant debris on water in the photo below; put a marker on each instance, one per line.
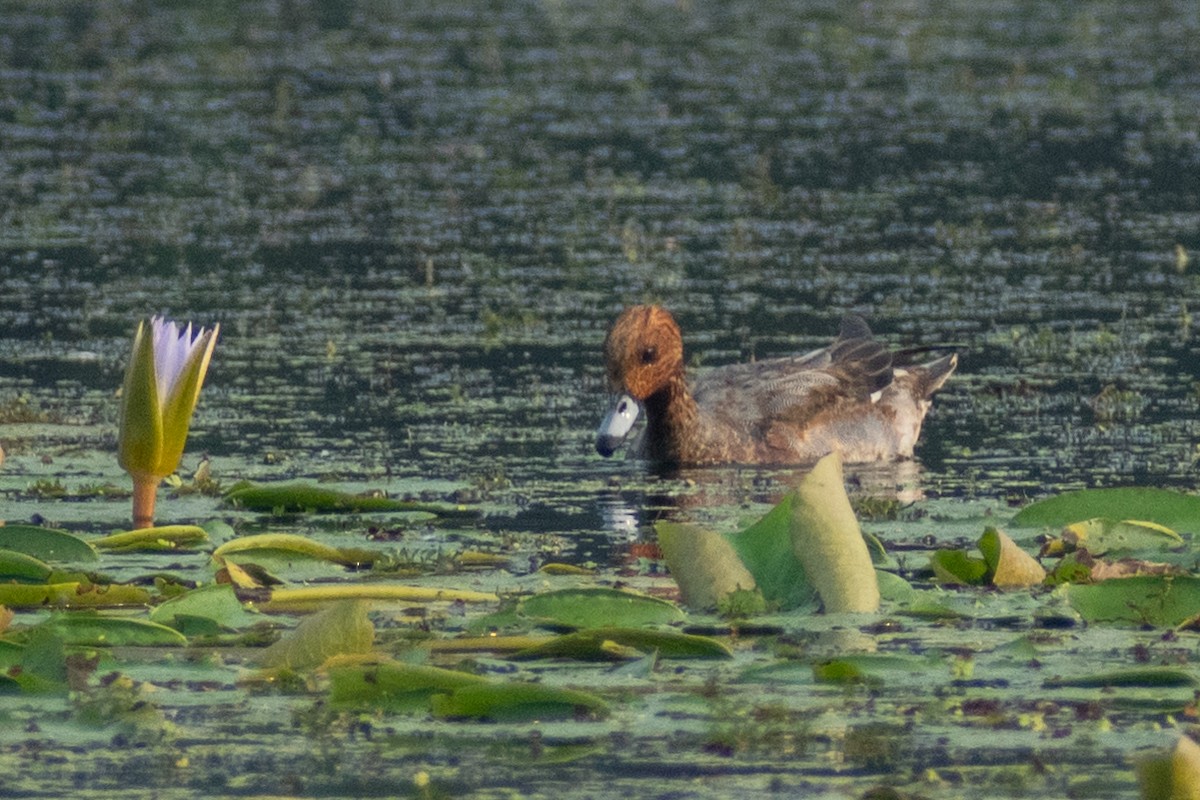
(390, 562)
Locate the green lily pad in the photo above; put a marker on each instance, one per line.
(301, 498)
(16, 566)
(85, 628)
(166, 537)
(958, 567)
(1159, 600)
(597, 644)
(1150, 677)
(393, 686)
(72, 594)
(48, 544)
(512, 702)
(1174, 510)
(341, 628)
(216, 602)
(290, 545)
(703, 563)
(594, 608)
(1109, 536)
(766, 550)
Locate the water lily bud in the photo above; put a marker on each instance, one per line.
(162, 384)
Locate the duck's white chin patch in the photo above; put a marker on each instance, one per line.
(616, 425)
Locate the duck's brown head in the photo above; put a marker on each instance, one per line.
(643, 351)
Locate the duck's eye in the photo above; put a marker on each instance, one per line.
(649, 355)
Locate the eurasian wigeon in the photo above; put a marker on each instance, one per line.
(851, 396)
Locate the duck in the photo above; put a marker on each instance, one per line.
(854, 396)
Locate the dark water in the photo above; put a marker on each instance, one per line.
(414, 223)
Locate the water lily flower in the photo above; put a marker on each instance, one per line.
(162, 383)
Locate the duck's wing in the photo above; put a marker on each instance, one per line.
(797, 389)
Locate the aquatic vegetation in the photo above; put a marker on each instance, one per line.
(162, 384)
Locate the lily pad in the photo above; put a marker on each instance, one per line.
(1108, 536)
(1159, 600)
(393, 686)
(1174, 510)
(512, 702)
(1139, 676)
(958, 567)
(290, 545)
(341, 628)
(85, 628)
(300, 498)
(596, 644)
(1175, 776)
(48, 544)
(166, 537)
(16, 566)
(308, 597)
(765, 548)
(72, 594)
(217, 603)
(1008, 565)
(828, 542)
(593, 608)
(703, 563)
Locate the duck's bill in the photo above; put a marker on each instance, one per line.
(616, 425)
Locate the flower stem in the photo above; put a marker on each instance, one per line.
(145, 491)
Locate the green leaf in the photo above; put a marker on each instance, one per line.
(72, 595)
(48, 544)
(298, 498)
(766, 549)
(393, 686)
(1150, 677)
(16, 566)
(593, 608)
(597, 644)
(1108, 536)
(85, 628)
(512, 702)
(828, 542)
(1174, 776)
(1175, 510)
(166, 537)
(957, 567)
(1008, 565)
(1159, 600)
(341, 628)
(216, 602)
(290, 545)
(704, 564)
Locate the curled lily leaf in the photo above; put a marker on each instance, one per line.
(162, 384)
